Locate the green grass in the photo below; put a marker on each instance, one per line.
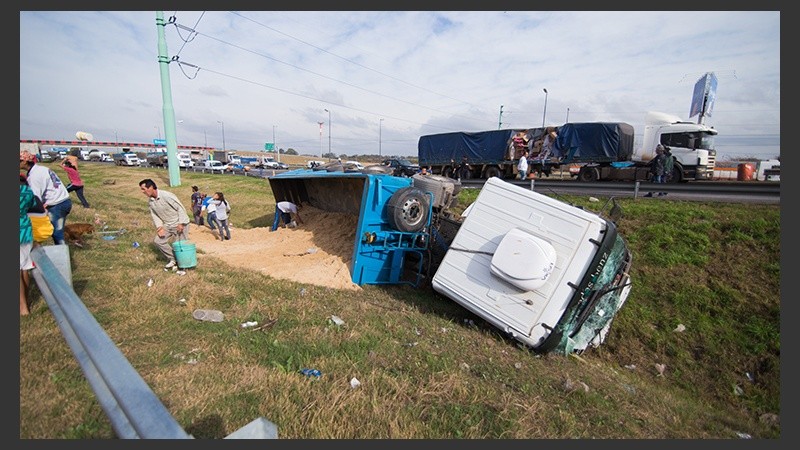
(428, 367)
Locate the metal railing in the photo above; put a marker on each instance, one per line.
(133, 409)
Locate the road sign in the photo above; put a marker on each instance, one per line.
(161, 142)
(269, 146)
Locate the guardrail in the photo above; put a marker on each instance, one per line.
(133, 409)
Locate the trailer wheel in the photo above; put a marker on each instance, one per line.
(408, 209)
(588, 174)
(493, 172)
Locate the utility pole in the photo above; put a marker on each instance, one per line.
(500, 120)
(275, 143)
(320, 138)
(166, 97)
(329, 132)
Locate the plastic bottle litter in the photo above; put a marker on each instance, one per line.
(150, 282)
(311, 372)
(135, 244)
(249, 324)
(337, 320)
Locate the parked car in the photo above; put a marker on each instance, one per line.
(234, 167)
(401, 167)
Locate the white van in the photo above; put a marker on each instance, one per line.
(546, 273)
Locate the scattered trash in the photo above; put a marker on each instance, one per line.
(518, 365)
(303, 292)
(571, 386)
(737, 390)
(469, 322)
(743, 435)
(150, 282)
(631, 366)
(191, 361)
(109, 237)
(443, 329)
(249, 324)
(680, 328)
(412, 344)
(660, 369)
(770, 419)
(749, 377)
(311, 372)
(208, 315)
(135, 244)
(310, 251)
(464, 366)
(594, 199)
(182, 301)
(354, 383)
(180, 272)
(417, 332)
(337, 320)
(629, 389)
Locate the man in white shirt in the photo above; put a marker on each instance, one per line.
(46, 185)
(284, 210)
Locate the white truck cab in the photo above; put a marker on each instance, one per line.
(691, 144)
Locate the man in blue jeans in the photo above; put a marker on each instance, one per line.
(284, 210)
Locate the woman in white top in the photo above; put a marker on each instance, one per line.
(222, 208)
(522, 167)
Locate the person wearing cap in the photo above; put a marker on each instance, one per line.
(46, 185)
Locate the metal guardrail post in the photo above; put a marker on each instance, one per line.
(133, 409)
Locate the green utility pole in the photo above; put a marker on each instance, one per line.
(166, 96)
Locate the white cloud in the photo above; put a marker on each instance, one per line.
(422, 72)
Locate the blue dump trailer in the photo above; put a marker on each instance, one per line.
(546, 273)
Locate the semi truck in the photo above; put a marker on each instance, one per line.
(599, 150)
(545, 273)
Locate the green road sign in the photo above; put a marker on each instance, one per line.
(269, 146)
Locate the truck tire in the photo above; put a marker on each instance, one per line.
(494, 172)
(589, 174)
(407, 209)
(676, 176)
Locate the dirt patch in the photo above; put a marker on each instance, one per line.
(317, 252)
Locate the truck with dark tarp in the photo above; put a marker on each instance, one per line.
(598, 150)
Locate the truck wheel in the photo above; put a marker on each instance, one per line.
(676, 176)
(493, 172)
(588, 174)
(407, 209)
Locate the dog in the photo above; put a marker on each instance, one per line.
(74, 232)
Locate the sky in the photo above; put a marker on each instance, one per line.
(373, 82)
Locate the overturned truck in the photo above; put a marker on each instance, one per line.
(548, 274)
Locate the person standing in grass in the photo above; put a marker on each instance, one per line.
(75, 182)
(28, 202)
(197, 205)
(46, 185)
(169, 217)
(221, 210)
